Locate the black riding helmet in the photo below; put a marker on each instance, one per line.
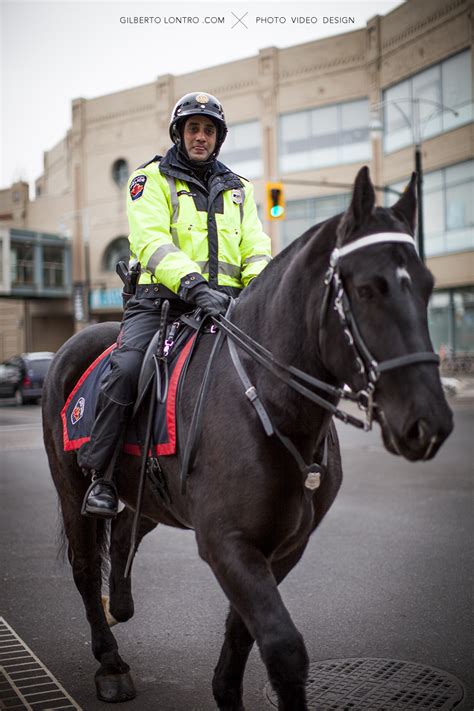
(198, 103)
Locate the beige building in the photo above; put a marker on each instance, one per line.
(301, 115)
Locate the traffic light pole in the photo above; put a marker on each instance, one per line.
(419, 195)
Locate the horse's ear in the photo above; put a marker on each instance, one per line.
(405, 207)
(363, 197)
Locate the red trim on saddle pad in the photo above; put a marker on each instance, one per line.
(76, 443)
(170, 446)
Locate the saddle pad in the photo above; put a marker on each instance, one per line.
(78, 413)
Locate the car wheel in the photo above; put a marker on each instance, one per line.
(19, 397)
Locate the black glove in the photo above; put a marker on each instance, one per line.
(212, 302)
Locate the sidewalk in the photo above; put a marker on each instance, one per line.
(459, 386)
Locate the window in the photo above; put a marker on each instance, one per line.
(447, 83)
(120, 172)
(242, 149)
(22, 264)
(117, 250)
(330, 135)
(448, 209)
(303, 214)
(53, 266)
(451, 320)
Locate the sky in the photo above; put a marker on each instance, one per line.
(54, 52)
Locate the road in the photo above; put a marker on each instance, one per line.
(389, 574)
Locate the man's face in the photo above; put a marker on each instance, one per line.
(199, 135)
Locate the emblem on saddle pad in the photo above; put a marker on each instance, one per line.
(78, 411)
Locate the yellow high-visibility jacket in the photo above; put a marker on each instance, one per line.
(177, 227)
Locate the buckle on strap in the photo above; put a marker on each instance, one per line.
(313, 477)
(251, 393)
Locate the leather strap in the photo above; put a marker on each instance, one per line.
(250, 390)
(270, 429)
(196, 422)
(409, 359)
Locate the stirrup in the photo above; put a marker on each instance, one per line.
(109, 509)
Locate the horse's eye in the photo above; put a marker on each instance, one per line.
(365, 293)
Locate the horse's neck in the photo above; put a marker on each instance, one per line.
(282, 314)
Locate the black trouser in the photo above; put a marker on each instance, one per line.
(140, 322)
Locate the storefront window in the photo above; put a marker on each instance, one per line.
(451, 321)
(464, 320)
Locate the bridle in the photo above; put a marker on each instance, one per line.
(301, 382)
(365, 363)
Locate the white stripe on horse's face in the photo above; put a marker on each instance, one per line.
(402, 275)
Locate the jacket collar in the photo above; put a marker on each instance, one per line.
(172, 164)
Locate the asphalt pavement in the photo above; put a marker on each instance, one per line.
(389, 574)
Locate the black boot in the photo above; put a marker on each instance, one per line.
(101, 498)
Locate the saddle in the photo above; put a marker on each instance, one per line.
(78, 413)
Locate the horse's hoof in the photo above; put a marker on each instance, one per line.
(115, 687)
(111, 621)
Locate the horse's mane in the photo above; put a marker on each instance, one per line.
(322, 234)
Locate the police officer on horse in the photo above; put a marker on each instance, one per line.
(195, 231)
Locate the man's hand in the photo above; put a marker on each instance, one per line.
(211, 301)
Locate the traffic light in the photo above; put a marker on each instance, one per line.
(275, 201)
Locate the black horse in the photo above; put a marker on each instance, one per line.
(246, 497)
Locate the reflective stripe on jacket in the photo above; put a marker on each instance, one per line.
(178, 227)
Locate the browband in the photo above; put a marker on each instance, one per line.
(368, 241)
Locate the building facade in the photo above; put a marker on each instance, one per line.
(35, 291)
(301, 115)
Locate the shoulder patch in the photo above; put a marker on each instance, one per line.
(137, 186)
(237, 196)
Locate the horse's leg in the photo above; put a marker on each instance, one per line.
(227, 683)
(86, 538)
(229, 672)
(120, 588)
(248, 581)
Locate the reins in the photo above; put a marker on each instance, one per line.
(300, 381)
(304, 383)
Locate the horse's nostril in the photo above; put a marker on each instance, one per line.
(419, 431)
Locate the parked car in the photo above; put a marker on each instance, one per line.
(22, 376)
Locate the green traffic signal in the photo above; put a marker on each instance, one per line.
(275, 201)
(277, 211)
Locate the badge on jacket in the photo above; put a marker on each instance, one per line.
(237, 196)
(137, 187)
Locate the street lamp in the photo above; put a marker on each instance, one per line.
(416, 124)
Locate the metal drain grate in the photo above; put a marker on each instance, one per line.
(377, 685)
(25, 683)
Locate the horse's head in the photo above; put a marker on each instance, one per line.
(377, 297)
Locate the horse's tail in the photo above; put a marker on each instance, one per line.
(102, 541)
